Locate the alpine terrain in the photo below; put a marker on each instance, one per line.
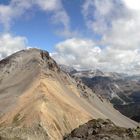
(38, 101)
(122, 90)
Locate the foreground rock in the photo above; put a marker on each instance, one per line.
(103, 130)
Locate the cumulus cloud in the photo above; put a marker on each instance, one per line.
(86, 54)
(117, 21)
(118, 24)
(132, 4)
(10, 44)
(17, 8)
(80, 53)
(100, 14)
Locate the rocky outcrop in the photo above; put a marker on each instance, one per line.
(103, 130)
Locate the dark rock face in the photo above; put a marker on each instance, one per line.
(131, 110)
(102, 130)
(123, 93)
(51, 64)
(44, 55)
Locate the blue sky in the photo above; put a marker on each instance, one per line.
(36, 25)
(81, 33)
(38, 28)
(4, 1)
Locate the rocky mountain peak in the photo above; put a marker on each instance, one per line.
(25, 59)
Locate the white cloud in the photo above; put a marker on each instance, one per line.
(99, 14)
(115, 21)
(17, 8)
(133, 4)
(10, 44)
(84, 53)
(118, 22)
(80, 53)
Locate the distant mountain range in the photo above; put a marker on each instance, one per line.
(122, 90)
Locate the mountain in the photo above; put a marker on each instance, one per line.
(124, 93)
(38, 101)
(67, 69)
(122, 90)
